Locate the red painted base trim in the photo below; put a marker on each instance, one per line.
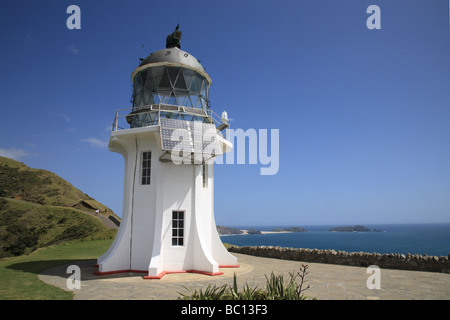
(162, 274)
(230, 266)
(98, 273)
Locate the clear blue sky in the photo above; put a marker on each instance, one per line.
(363, 114)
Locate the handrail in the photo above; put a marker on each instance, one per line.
(212, 112)
(162, 107)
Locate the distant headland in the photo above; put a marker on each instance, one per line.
(291, 229)
(357, 228)
(222, 230)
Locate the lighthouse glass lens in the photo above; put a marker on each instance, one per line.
(170, 85)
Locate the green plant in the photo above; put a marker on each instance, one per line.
(212, 292)
(276, 289)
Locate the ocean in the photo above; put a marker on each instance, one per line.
(429, 239)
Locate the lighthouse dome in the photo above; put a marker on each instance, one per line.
(171, 77)
(173, 55)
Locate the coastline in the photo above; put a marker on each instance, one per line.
(398, 261)
(245, 232)
(266, 232)
(432, 239)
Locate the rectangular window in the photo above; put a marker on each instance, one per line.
(146, 165)
(177, 228)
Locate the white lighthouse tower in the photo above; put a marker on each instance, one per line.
(168, 139)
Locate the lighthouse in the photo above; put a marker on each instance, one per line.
(169, 139)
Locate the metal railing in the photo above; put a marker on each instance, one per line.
(149, 115)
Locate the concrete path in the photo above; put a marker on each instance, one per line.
(327, 282)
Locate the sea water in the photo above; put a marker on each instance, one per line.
(430, 239)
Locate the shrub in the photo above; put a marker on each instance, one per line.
(15, 229)
(73, 233)
(62, 220)
(276, 289)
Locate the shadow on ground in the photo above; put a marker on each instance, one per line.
(59, 268)
(44, 266)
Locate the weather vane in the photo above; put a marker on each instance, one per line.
(173, 39)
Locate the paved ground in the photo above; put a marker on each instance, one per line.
(327, 281)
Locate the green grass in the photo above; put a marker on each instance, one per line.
(227, 245)
(19, 275)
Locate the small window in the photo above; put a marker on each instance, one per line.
(146, 167)
(177, 228)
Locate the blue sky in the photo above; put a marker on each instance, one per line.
(363, 115)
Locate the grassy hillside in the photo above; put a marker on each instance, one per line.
(19, 181)
(38, 209)
(24, 227)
